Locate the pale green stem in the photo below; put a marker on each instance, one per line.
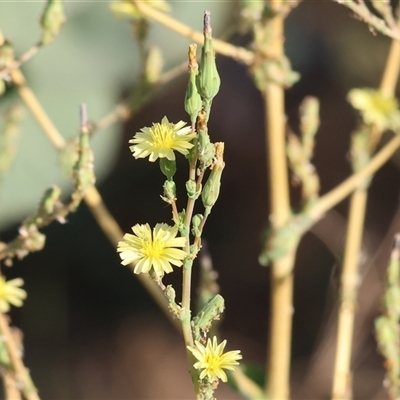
(342, 383)
(186, 288)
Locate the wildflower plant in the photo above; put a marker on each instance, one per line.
(155, 251)
(174, 246)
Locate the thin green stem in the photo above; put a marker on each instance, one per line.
(186, 287)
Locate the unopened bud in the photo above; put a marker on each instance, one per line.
(191, 188)
(210, 312)
(211, 188)
(83, 171)
(196, 221)
(192, 97)
(168, 167)
(208, 80)
(169, 191)
(52, 20)
(205, 149)
(6, 54)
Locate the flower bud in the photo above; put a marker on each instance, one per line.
(52, 20)
(208, 80)
(168, 167)
(192, 191)
(196, 221)
(192, 97)
(6, 54)
(210, 312)
(169, 191)
(205, 149)
(211, 188)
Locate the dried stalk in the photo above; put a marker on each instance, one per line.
(281, 308)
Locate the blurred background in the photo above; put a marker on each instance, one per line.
(91, 330)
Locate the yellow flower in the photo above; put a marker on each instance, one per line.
(160, 140)
(11, 293)
(375, 108)
(152, 250)
(213, 361)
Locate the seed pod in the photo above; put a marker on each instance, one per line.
(192, 97)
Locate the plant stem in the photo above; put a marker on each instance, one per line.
(360, 8)
(342, 381)
(340, 192)
(281, 308)
(22, 374)
(186, 288)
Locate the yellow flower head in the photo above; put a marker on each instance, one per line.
(213, 361)
(11, 293)
(375, 108)
(152, 249)
(160, 140)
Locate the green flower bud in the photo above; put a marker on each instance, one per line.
(49, 202)
(183, 229)
(191, 188)
(211, 188)
(168, 167)
(196, 221)
(211, 311)
(6, 54)
(205, 149)
(208, 80)
(169, 191)
(52, 20)
(192, 97)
